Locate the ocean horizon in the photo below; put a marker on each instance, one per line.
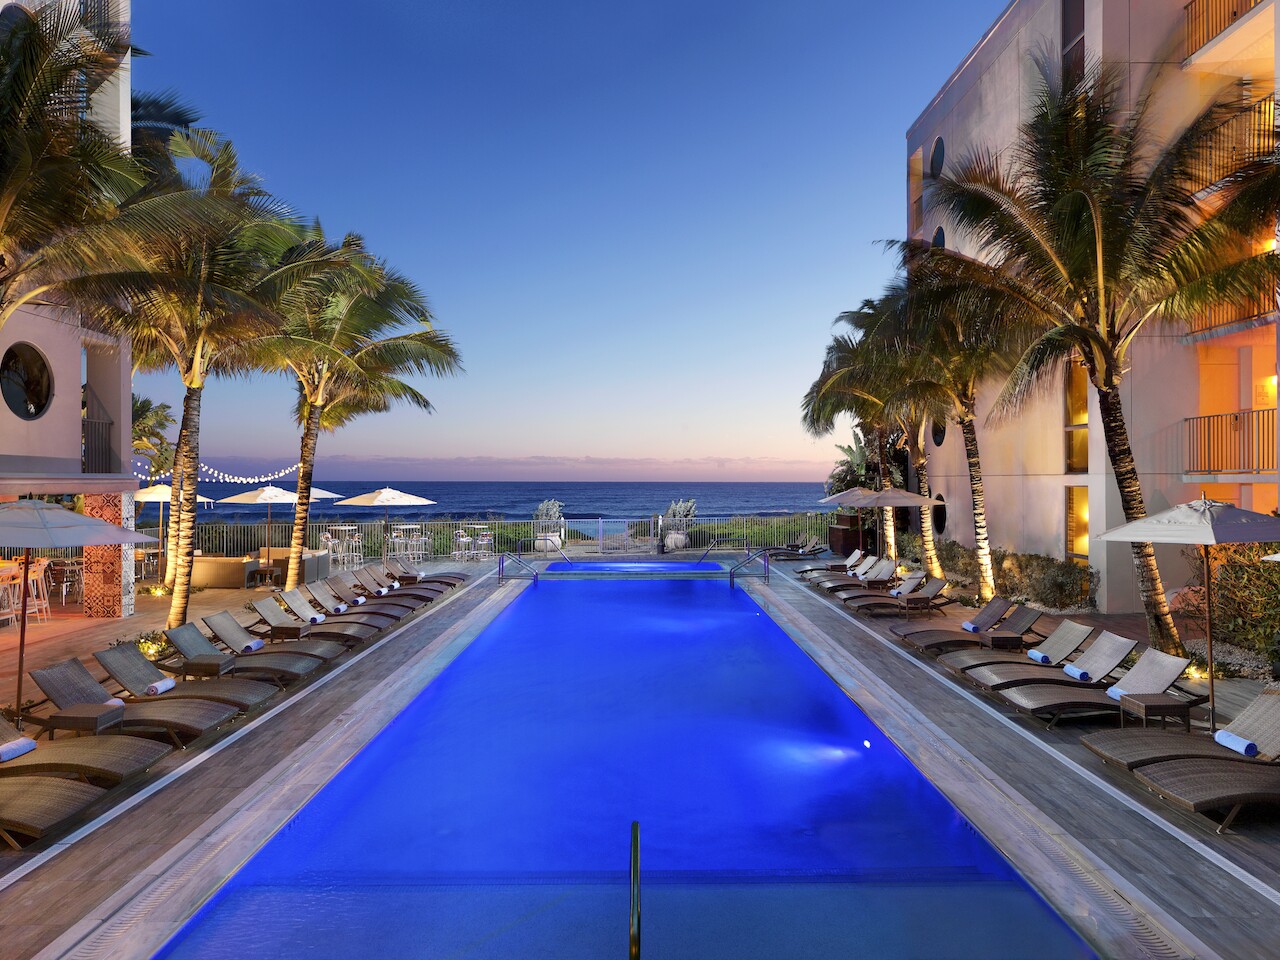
(516, 500)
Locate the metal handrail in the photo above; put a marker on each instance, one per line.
(745, 541)
(759, 554)
(521, 542)
(502, 568)
(634, 953)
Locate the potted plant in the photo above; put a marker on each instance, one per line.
(548, 526)
(675, 523)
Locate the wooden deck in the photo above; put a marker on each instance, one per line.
(115, 889)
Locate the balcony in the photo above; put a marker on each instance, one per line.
(1241, 443)
(1206, 19)
(1246, 138)
(1229, 317)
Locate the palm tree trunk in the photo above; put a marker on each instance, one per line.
(889, 548)
(306, 463)
(185, 553)
(928, 549)
(175, 511)
(1163, 634)
(982, 541)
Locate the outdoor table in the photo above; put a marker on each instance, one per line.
(91, 718)
(208, 665)
(1000, 639)
(344, 527)
(264, 577)
(1150, 705)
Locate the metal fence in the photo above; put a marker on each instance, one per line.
(1243, 442)
(1208, 18)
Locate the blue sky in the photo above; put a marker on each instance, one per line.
(637, 221)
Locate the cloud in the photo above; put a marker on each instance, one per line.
(545, 468)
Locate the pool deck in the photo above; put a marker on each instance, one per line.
(1138, 877)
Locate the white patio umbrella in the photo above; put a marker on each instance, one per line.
(893, 497)
(162, 493)
(386, 497)
(268, 495)
(1203, 522)
(36, 524)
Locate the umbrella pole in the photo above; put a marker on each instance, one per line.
(22, 635)
(1208, 636)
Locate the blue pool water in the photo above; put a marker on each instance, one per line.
(491, 818)
(632, 566)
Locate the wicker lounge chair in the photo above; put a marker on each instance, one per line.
(406, 572)
(69, 684)
(847, 565)
(1200, 785)
(273, 624)
(328, 601)
(202, 658)
(345, 589)
(107, 759)
(1258, 723)
(135, 673)
(984, 619)
(34, 806)
(1066, 639)
(343, 628)
(373, 580)
(1019, 621)
(925, 600)
(1155, 672)
(1096, 661)
(812, 547)
(881, 574)
(904, 586)
(849, 577)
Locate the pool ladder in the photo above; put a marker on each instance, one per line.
(634, 952)
(502, 568)
(758, 555)
(743, 542)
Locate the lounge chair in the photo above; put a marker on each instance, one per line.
(202, 659)
(1200, 785)
(329, 602)
(1258, 723)
(986, 618)
(341, 628)
(237, 638)
(107, 759)
(1155, 672)
(849, 577)
(143, 680)
(925, 600)
(34, 806)
(1089, 669)
(374, 580)
(70, 684)
(406, 572)
(1066, 638)
(847, 565)
(812, 547)
(346, 592)
(904, 586)
(1019, 622)
(881, 574)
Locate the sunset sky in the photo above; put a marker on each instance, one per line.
(637, 221)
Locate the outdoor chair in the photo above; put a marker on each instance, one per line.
(345, 586)
(69, 684)
(374, 580)
(904, 586)
(924, 600)
(850, 577)
(328, 601)
(844, 566)
(986, 618)
(1155, 672)
(1201, 785)
(202, 658)
(348, 628)
(238, 638)
(1258, 724)
(1066, 638)
(34, 806)
(812, 547)
(107, 759)
(143, 680)
(1019, 621)
(882, 572)
(1095, 662)
(408, 573)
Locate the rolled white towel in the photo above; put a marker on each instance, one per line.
(251, 645)
(163, 685)
(359, 600)
(1071, 670)
(1038, 657)
(16, 748)
(970, 626)
(395, 584)
(1233, 741)
(381, 592)
(341, 608)
(1115, 693)
(114, 702)
(317, 618)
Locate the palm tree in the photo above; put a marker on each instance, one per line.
(1088, 233)
(150, 421)
(349, 340)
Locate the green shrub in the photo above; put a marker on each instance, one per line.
(1246, 594)
(1030, 577)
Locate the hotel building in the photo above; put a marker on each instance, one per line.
(1200, 400)
(66, 405)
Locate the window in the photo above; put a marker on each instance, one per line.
(939, 237)
(1072, 40)
(937, 157)
(1076, 417)
(939, 432)
(1077, 546)
(25, 381)
(940, 514)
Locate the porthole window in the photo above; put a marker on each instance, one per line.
(26, 381)
(937, 157)
(939, 237)
(940, 515)
(939, 432)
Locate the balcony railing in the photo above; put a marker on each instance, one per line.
(1228, 314)
(1243, 442)
(1208, 18)
(1246, 138)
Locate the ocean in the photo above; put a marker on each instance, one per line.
(456, 499)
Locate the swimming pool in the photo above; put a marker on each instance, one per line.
(634, 566)
(491, 817)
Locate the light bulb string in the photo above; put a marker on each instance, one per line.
(213, 473)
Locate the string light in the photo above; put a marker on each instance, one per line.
(212, 473)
